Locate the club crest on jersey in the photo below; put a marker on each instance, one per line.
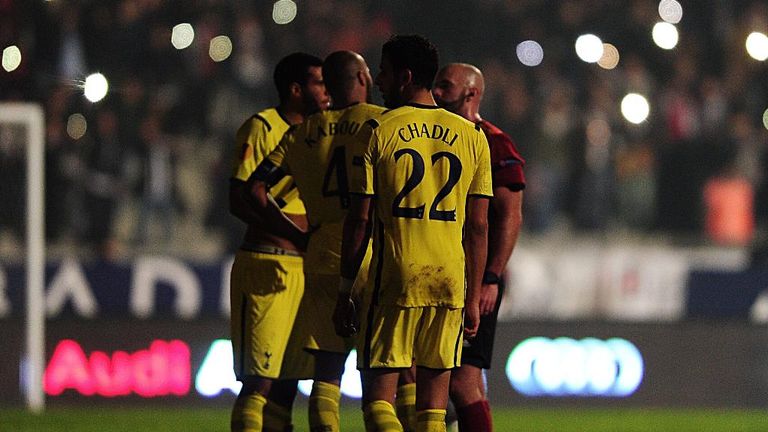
(435, 131)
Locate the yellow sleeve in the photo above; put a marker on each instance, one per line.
(279, 156)
(249, 152)
(482, 180)
(363, 154)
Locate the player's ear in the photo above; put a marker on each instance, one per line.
(472, 92)
(406, 77)
(295, 89)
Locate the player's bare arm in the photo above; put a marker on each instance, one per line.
(502, 237)
(256, 195)
(355, 237)
(476, 251)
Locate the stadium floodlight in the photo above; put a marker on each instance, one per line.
(589, 48)
(635, 108)
(31, 115)
(665, 35)
(757, 46)
(671, 11)
(284, 11)
(95, 87)
(11, 58)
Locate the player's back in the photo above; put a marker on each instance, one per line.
(316, 155)
(425, 163)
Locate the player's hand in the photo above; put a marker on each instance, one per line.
(471, 320)
(489, 293)
(345, 318)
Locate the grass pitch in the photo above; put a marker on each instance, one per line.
(506, 420)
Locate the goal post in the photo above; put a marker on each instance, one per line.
(31, 116)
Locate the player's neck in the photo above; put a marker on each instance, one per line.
(344, 102)
(290, 114)
(472, 115)
(421, 96)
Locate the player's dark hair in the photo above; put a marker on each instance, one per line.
(293, 68)
(339, 72)
(415, 53)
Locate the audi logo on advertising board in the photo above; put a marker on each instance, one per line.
(563, 366)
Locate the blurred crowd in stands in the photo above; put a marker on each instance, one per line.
(150, 171)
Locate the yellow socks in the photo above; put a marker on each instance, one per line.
(405, 405)
(324, 407)
(431, 420)
(248, 413)
(380, 416)
(277, 418)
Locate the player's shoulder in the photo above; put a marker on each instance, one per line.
(496, 136)
(266, 120)
(397, 115)
(491, 129)
(372, 109)
(316, 118)
(363, 113)
(458, 120)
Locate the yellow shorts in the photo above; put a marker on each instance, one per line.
(321, 292)
(265, 294)
(397, 337)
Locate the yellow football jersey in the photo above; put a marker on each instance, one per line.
(316, 155)
(255, 139)
(420, 163)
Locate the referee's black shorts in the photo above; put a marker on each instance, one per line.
(478, 351)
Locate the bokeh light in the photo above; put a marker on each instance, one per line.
(284, 11)
(765, 118)
(635, 108)
(665, 35)
(670, 11)
(11, 58)
(530, 53)
(757, 46)
(182, 35)
(95, 87)
(610, 57)
(589, 48)
(598, 133)
(220, 48)
(76, 126)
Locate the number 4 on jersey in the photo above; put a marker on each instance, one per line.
(337, 167)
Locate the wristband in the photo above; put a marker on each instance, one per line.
(490, 278)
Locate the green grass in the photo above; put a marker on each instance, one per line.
(507, 420)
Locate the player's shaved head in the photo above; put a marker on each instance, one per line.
(340, 72)
(459, 88)
(467, 75)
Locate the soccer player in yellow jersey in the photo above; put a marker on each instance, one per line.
(459, 88)
(267, 280)
(420, 183)
(315, 154)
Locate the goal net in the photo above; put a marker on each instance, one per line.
(29, 119)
